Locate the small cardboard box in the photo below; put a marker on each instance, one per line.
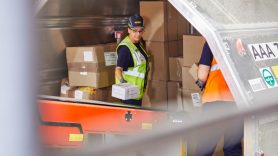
(125, 91)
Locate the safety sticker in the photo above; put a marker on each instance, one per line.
(264, 51)
(268, 77)
(275, 71)
(76, 137)
(147, 126)
(88, 56)
(257, 84)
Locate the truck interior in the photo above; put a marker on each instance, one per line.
(241, 33)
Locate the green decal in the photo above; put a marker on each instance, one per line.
(268, 77)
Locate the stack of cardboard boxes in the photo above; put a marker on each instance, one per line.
(192, 49)
(90, 72)
(183, 91)
(170, 87)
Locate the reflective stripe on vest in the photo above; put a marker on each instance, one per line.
(135, 72)
(214, 67)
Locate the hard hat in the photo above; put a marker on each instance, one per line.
(135, 21)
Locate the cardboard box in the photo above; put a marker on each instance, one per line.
(192, 49)
(92, 66)
(174, 96)
(159, 62)
(110, 98)
(161, 21)
(191, 100)
(155, 95)
(194, 71)
(125, 91)
(65, 88)
(180, 48)
(173, 48)
(175, 68)
(154, 18)
(188, 81)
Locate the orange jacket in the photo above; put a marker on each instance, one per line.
(216, 87)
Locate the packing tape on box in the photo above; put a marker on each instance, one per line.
(89, 67)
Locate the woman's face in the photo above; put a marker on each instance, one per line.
(135, 34)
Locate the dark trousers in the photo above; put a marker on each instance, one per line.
(133, 102)
(232, 132)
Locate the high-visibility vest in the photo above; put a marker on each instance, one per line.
(135, 75)
(216, 88)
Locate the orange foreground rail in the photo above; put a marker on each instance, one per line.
(66, 119)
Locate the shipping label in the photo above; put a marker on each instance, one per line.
(196, 100)
(110, 58)
(88, 56)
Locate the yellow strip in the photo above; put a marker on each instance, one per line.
(275, 71)
(147, 126)
(183, 151)
(76, 137)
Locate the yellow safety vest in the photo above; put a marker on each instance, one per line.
(135, 75)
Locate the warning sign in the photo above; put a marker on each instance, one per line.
(268, 77)
(264, 51)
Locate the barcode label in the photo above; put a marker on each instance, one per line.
(257, 84)
(196, 100)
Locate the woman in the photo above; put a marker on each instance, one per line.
(132, 59)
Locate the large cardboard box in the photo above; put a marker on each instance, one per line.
(156, 95)
(188, 82)
(192, 49)
(159, 62)
(175, 68)
(92, 66)
(161, 21)
(191, 100)
(175, 48)
(174, 96)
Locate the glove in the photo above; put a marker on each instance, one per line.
(201, 84)
(123, 81)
